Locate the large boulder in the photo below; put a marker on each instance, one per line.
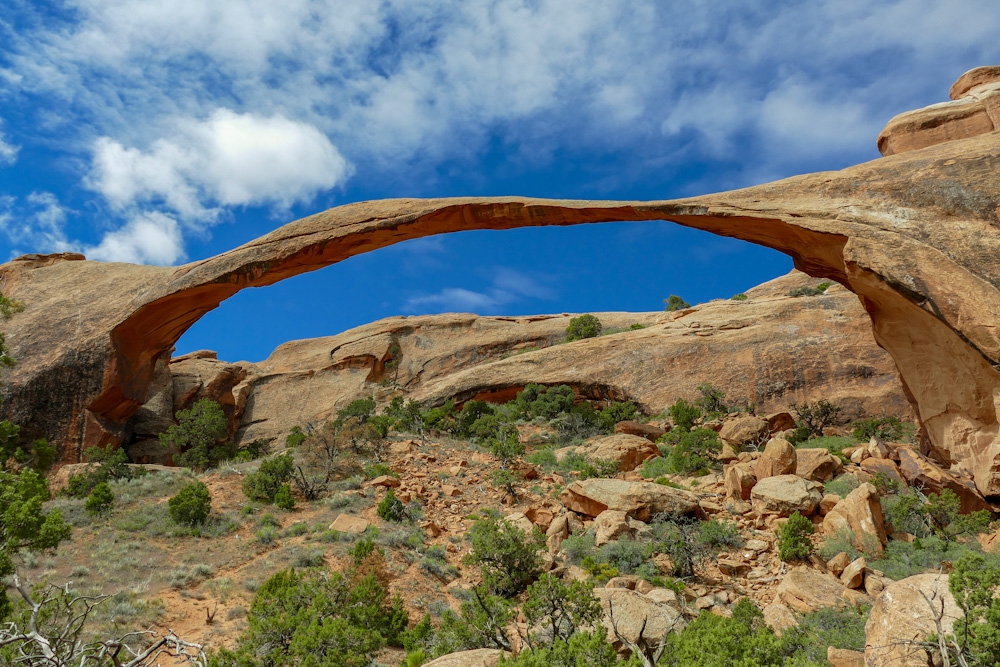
(745, 430)
(610, 525)
(637, 617)
(639, 500)
(629, 450)
(785, 494)
(778, 458)
(886, 467)
(739, 480)
(922, 471)
(647, 431)
(805, 590)
(901, 615)
(817, 464)
(859, 513)
(480, 657)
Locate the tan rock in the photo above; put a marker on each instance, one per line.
(784, 495)
(778, 458)
(805, 590)
(878, 449)
(386, 481)
(828, 502)
(450, 490)
(636, 616)
(853, 575)
(346, 523)
(900, 614)
(640, 500)
(842, 657)
(817, 464)
(540, 516)
(739, 480)
(744, 430)
(860, 513)
(647, 431)
(733, 568)
(838, 563)
(923, 472)
(779, 422)
(779, 617)
(401, 448)
(521, 521)
(629, 450)
(609, 526)
(480, 657)
(887, 467)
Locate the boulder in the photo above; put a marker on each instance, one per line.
(779, 422)
(610, 525)
(480, 657)
(629, 450)
(386, 481)
(817, 464)
(853, 575)
(805, 590)
(829, 501)
(636, 616)
(887, 467)
(838, 563)
(346, 523)
(647, 431)
(921, 471)
(521, 521)
(639, 500)
(739, 480)
(540, 516)
(779, 617)
(784, 495)
(744, 430)
(859, 513)
(778, 458)
(901, 614)
(842, 657)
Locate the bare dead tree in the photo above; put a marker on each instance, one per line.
(54, 636)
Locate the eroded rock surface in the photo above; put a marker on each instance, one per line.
(915, 235)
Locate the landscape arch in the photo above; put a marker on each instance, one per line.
(914, 235)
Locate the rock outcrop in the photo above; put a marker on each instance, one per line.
(639, 500)
(915, 235)
(902, 615)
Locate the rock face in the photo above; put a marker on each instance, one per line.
(639, 500)
(901, 614)
(915, 235)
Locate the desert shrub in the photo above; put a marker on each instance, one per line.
(711, 400)
(295, 437)
(283, 498)
(656, 467)
(507, 558)
(739, 297)
(264, 484)
(674, 302)
(678, 536)
(297, 529)
(38, 454)
(544, 458)
(584, 326)
(309, 558)
(808, 290)
(537, 400)
(313, 618)
(840, 627)
(391, 508)
(841, 486)
(376, 469)
(269, 520)
(101, 500)
(577, 547)
(435, 561)
(684, 414)
(191, 505)
(111, 465)
(812, 418)
(885, 428)
(266, 536)
(974, 582)
(719, 534)
(199, 435)
(834, 444)
(793, 538)
(935, 514)
(692, 451)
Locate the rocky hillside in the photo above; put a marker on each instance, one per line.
(770, 350)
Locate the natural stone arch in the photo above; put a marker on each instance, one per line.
(914, 235)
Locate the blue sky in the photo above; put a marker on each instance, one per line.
(165, 132)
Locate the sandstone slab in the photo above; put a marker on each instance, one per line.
(639, 500)
(805, 590)
(900, 614)
(860, 513)
(817, 464)
(785, 494)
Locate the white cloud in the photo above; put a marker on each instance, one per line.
(229, 159)
(147, 238)
(508, 286)
(8, 151)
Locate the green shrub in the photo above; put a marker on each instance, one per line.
(840, 627)
(712, 400)
(684, 414)
(720, 534)
(584, 326)
(373, 470)
(192, 504)
(809, 290)
(674, 302)
(266, 536)
(692, 451)
(264, 484)
(974, 583)
(198, 436)
(834, 444)
(295, 437)
(391, 508)
(814, 417)
(739, 297)
(283, 498)
(885, 428)
(793, 538)
(101, 500)
(507, 558)
(537, 400)
(111, 465)
(841, 486)
(656, 467)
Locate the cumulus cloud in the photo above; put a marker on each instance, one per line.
(229, 159)
(508, 286)
(8, 151)
(147, 238)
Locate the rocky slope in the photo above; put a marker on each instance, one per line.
(770, 350)
(914, 235)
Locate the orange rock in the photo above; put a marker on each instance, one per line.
(739, 480)
(345, 523)
(860, 513)
(450, 490)
(921, 471)
(778, 458)
(386, 481)
(816, 464)
(651, 433)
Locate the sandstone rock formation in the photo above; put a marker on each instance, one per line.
(859, 513)
(914, 235)
(785, 494)
(639, 500)
(901, 615)
(480, 657)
